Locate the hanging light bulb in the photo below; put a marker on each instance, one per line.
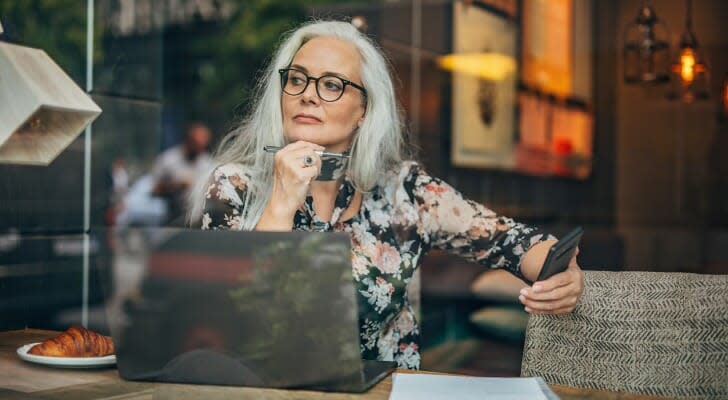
(689, 70)
(646, 49)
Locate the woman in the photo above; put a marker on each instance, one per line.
(328, 88)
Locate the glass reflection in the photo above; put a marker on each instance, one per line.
(237, 308)
(41, 281)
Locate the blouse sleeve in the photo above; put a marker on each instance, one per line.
(225, 198)
(466, 228)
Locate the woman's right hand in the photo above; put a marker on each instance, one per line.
(291, 181)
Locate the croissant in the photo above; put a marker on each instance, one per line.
(75, 342)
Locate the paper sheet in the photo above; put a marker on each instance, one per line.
(449, 387)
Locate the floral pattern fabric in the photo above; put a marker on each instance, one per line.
(405, 215)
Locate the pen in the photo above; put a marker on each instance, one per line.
(273, 149)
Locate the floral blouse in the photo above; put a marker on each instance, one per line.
(400, 219)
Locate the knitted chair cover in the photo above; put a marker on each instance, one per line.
(662, 334)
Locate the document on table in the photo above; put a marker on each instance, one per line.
(449, 387)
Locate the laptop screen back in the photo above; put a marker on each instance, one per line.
(240, 308)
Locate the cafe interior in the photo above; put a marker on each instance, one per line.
(609, 115)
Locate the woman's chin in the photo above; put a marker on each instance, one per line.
(305, 138)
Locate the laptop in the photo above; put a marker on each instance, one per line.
(264, 309)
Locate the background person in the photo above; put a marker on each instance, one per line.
(176, 169)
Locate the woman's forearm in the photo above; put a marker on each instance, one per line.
(275, 218)
(532, 261)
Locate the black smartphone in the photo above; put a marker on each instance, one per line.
(560, 254)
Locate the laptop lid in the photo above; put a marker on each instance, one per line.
(241, 308)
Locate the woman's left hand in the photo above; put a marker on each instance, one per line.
(557, 294)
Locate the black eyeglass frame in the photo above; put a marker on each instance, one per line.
(346, 82)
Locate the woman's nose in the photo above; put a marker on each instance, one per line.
(310, 95)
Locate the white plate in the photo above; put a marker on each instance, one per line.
(65, 362)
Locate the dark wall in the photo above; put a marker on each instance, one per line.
(664, 152)
(671, 165)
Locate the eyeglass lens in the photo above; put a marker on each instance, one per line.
(328, 87)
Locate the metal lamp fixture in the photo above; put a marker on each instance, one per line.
(43, 110)
(690, 79)
(646, 49)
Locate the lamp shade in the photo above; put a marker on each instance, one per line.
(646, 49)
(42, 110)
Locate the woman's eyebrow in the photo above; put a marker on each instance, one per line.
(305, 70)
(299, 67)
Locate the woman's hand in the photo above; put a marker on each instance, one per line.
(291, 181)
(557, 294)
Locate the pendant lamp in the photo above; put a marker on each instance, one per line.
(646, 49)
(690, 78)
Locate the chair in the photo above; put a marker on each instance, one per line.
(655, 333)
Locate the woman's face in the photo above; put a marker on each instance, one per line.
(306, 116)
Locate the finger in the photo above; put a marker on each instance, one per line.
(294, 147)
(558, 280)
(307, 165)
(303, 157)
(572, 275)
(555, 294)
(311, 171)
(550, 308)
(290, 147)
(578, 275)
(301, 152)
(573, 258)
(548, 305)
(309, 159)
(559, 311)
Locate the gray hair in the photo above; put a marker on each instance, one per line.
(376, 148)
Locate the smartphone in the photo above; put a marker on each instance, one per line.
(560, 254)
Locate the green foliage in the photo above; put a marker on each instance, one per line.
(239, 50)
(56, 26)
(224, 59)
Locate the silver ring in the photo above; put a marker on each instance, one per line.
(307, 161)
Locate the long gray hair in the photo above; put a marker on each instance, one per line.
(377, 146)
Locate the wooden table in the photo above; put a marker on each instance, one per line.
(20, 380)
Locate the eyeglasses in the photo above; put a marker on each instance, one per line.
(328, 87)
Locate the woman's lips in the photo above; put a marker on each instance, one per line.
(306, 119)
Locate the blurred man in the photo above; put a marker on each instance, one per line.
(176, 170)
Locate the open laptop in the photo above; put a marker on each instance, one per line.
(246, 309)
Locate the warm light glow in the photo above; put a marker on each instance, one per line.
(492, 66)
(725, 96)
(687, 65)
